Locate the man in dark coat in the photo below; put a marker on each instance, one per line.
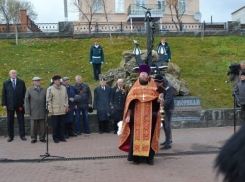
(69, 117)
(35, 107)
(168, 107)
(118, 97)
(102, 95)
(83, 104)
(96, 57)
(163, 51)
(13, 95)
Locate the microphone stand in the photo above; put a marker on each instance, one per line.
(47, 126)
(235, 99)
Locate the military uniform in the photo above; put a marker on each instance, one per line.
(118, 97)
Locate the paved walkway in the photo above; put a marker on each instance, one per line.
(168, 168)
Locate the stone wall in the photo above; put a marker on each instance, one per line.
(181, 119)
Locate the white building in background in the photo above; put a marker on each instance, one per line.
(239, 15)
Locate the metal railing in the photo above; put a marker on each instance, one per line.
(120, 27)
(48, 27)
(135, 9)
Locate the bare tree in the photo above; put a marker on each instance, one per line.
(87, 8)
(103, 3)
(177, 10)
(10, 12)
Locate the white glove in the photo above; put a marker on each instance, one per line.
(169, 60)
(90, 62)
(102, 62)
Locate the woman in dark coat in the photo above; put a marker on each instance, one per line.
(69, 117)
(102, 95)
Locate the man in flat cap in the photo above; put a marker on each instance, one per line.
(102, 95)
(168, 107)
(141, 121)
(13, 95)
(35, 107)
(96, 57)
(57, 106)
(69, 117)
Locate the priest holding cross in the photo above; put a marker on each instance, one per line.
(141, 120)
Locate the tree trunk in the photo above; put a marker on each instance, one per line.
(16, 34)
(109, 31)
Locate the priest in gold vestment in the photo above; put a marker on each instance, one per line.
(141, 120)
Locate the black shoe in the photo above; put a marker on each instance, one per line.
(87, 132)
(33, 141)
(56, 141)
(150, 162)
(62, 140)
(73, 134)
(23, 138)
(66, 136)
(78, 133)
(164, 143)
(166, 147)
(43, 140)
(101, 132)
(10, 139)
(136, 162)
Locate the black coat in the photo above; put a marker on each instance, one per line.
(86, 97)
(118, 98)
(9, 95)
(102, 102)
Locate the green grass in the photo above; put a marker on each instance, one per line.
(204, 64)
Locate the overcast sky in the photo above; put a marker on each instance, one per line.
(52, 11)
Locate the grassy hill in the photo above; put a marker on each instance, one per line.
(204, 64)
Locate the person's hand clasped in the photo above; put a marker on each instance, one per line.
(127, 119)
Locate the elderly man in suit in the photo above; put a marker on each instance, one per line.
(118, 97)
(35, 107)
(13, 94)
(102, 95)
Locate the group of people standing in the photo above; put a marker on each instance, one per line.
(138, 108)
(61, 100)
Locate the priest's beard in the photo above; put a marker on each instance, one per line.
(143, 81)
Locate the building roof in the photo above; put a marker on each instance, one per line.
(238, 10)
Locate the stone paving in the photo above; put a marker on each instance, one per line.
(169, 168)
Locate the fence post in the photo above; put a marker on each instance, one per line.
(204, 25)
(121, 27)
(96, 27)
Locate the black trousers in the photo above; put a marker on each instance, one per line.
(97, 71)
(103, 126)
(117, 116)
(69, 128)
(10, 122)
(58, 126)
